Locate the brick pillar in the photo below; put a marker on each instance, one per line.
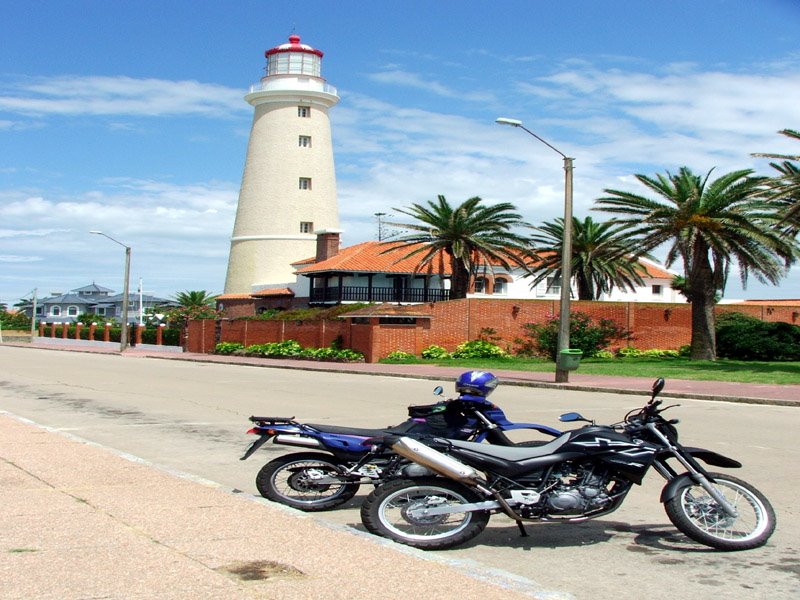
(64, 330)
(160, 335)
(92, 329)
(41, 328)
(78, 328)
(107, 332)
(52, 330)
(138, 329)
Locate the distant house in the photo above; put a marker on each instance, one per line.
(367, 273)
(94, 299)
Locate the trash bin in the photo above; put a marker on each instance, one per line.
(569, 359)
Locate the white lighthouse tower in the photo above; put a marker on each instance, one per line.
(289, 186)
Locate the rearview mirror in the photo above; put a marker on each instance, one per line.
(438, 390)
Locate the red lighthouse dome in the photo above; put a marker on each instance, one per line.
(294, 58)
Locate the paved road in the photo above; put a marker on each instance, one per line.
(192, 417)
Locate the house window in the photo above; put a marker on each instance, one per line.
(72, 311)
(500, 286)
(39, 310)
(480, 285)
(100, 311)
(56, 311)
(305, 183)
(657, 289)
(306, 227)
(397, 321)
(304, 141)
(553, 285)
(303, 111)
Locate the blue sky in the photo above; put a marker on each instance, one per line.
(129, 117)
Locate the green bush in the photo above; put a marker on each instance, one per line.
(292, 349)
(399, 356)
(434, 352)
(283, 349)
(479, 349)
(585, 335)
(15, 320)
(746, 338)
(227, 347)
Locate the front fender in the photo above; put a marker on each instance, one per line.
(707, 456)
(674, 487)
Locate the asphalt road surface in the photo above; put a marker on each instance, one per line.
(192, 417)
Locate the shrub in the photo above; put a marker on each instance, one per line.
(479, 349)
(585, 335)
(399, 356)
(629, 352)
(292, 349)
(227, 347)
(746, 338)
(434, 352)
(14, 320)
(283, 349)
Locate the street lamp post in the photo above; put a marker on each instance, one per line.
(123, 333)
(562, 375)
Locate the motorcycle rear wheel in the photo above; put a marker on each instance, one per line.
(290, 480)
(698, 516)
(387, 512)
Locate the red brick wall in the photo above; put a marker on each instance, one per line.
(652, 325)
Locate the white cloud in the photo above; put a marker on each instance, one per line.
(87, 95)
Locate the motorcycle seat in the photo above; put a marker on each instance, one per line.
(511, 453)
(366, 433)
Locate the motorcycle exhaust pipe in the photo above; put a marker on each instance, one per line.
(296, 440)
(426, 456)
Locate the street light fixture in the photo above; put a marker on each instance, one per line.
(123, 333)
(562, 375)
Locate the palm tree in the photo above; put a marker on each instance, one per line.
(709, 225)
(786, 186)
(195, 298)
(602, 256)
(469, 235)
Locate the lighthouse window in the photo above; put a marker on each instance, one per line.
(303, 111)
(305, 183)
(306, 227)
(305, 141)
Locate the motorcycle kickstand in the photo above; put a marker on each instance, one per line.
(522, 532)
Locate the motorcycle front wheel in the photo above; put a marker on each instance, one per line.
(698, 515)
(303, 480)
(395, 510)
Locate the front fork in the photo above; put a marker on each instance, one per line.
(695, 472)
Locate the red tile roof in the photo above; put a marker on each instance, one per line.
(369, 257)
(272, 292)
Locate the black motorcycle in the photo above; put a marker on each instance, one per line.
(584, 473)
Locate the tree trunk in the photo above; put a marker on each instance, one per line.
(702, 294)
(459, 282)
(704, 341)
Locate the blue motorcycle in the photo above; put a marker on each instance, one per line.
(347, 457)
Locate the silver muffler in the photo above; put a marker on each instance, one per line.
(296, 440)
(426, 456)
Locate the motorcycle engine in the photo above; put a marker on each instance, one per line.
(579, 494)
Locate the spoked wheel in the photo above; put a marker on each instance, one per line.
(306, 480)
(397, 510)
(698, 515)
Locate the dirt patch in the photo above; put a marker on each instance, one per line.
(260, 570)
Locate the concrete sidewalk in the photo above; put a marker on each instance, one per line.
(80, 521)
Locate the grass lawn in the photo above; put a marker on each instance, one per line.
(669, 368)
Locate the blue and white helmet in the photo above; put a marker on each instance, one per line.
(476, 383)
